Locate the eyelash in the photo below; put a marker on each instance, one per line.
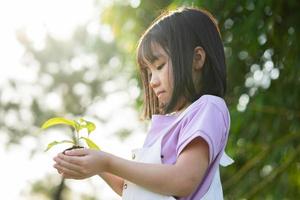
(160, 66)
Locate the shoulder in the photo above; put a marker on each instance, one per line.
(209, 106)
(211, 100)
(207, 118)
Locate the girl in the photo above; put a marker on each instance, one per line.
(182, 66)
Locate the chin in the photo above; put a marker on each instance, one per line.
(163, 105)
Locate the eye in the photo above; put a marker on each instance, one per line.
(160, 66)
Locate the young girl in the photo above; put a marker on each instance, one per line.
(182, 66)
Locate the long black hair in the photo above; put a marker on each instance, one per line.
(179, 32)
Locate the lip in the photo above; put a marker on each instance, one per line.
(158, 94)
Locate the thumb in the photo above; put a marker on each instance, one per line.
(77, 152)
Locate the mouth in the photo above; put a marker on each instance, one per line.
(158, 94)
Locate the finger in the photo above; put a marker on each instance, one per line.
(68, 176)
(56, 166)
(72, 176)
(65, 171)
(77, 152)
(67, 164)
(58, 171)
(71, 159)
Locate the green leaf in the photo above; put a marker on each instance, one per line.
(90, 143)
(90, 126)
(58, 120)
(50, 145)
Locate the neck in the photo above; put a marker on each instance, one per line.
(180, 109)
(184, 106)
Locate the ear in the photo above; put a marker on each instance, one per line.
(199, 58)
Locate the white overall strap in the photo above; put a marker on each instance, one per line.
(132, 191)
(215, 191)
(226, 160)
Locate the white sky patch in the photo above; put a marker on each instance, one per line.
(17, 169)
(36, 17)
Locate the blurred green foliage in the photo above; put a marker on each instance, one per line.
(261, 41)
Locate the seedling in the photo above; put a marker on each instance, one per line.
(76, 125)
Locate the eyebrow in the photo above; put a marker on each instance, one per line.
(157, 56)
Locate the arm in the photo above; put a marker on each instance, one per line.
(115, 182)
(179, 179)
(189, 170)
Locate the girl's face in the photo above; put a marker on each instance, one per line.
(161, 75)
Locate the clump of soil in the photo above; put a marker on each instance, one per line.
(73, 147)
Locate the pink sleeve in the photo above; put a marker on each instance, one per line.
(207, 123)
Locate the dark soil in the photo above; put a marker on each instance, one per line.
(73, 147)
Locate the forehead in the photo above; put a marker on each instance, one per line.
(150, 53)
(158, 51)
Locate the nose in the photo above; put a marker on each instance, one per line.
(154, 81)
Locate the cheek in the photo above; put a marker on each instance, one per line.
(171, 81)
(170, 77)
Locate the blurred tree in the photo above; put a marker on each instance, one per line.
(261, 45)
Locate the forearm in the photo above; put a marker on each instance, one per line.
(180, 179)
(115, 182)
(159, 178)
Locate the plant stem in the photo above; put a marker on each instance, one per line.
(76, 138)
(57, 195)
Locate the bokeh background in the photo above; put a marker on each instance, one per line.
(76, 58)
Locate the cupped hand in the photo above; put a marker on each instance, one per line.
(81, 163)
